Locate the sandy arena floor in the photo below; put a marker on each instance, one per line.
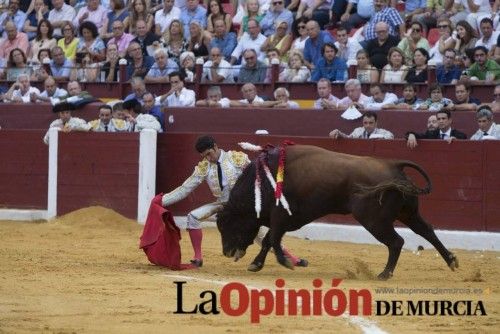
(84, 273)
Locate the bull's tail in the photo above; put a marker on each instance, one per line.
(405, 186)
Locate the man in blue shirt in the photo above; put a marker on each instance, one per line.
(330, 67)
(276, 14)
(314, 44)
(224, 41)
(448, 72)
(193, 12)
(12, 14)
(60, 66)
(151, 108)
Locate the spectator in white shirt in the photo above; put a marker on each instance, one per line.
(251, 99)
(253, 39)
(489, 37)
(21, 90)
(326, 99)
(93, 12)
(348, 47)
(282, 96)
(214, 99)
(52, 93)
(369, 130)
(165, 16)
(178, 96)
(217, 70)
(487, 128)
(473, 11)
(297, 70)
(380, 97)
(354, 95)
(59, 15)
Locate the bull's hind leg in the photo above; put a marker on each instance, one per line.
(411, 217)
(258, 263)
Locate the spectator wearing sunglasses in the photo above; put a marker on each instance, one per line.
(413, 41)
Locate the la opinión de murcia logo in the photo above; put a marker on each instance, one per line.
(236, 299)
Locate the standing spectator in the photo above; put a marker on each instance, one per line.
(193, 12)
(43, 40)
(164, 17)
(65, 122)
(91, 43)
(40, 11)
(253, 70)
(414, 41)
(282, 96)
(367, 131)
(348, 47)
(252, 39)
(315, 10)
(314, 45)
(277, 13)
(161, 68)
(281, 40)
(326, 99)
(93, 12)
(418, 73)
(69, 42)
(216, 12)
(21, 90)
(296, 71)
(60, 66)
(365, 72)
(448, 72)
(138, 64)
(17, 65)
(489, 38)
(379, 48)
(12, 14)
(15, 40)
(395, 71)
(144, 37)
(199, 40)
(60, 15)
(300, 32)
(463, 99)
(445, 41)
(390, 16)
(363, 11)
(121, 38)
(380, 98)
(217, 70)
(354, 95)
(214, 99)
(138, 10)
(117, 12)
(223, 40)
(465, 37)
(484, 69)
(106, 122)
(488, 129)
(473, 11)
(173, 41)
(178, 96)
(330, 66)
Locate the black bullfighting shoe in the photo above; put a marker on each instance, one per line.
(197, 263)
(302, 263)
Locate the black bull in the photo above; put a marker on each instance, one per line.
(318, 182)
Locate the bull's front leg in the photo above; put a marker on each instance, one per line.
(278, 221)
(258, 263)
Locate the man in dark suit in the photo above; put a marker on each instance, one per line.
(444, 131)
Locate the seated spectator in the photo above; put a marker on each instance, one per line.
(69, 42)
(495, 105)
(487, 127)
(409, 101)
(436, 101)
(217, 70)
(277, 13)
(137, 119)
(356, 13)
(149, 106)
(178, 96)
(164, 17)
(60, 66)
(250, 97)
(463, 99)
(194, 12)
(138, 10)
(463, 10)
(110, 66)
(12, 14)
(198, 40)
(138, 88)
(379, 48)
(484, 69)
(117, 12)
(214, 99)
(330, 66)
(354, 96)
(253, 39)
(296, 70)
(445, 41)
(418, 73)
(145, 37)
(273, 57)
(299, 30)
(216, 12)
(21, 91)
(187, 65)
(367, 131)
(106, 122)
(283, 97)
(225, 41)
(138, 64)
(43, 40)
(121, 38)
(161, 68)
(93, 12)
(91, 43)
(61, 15)
(387, 15)
(365, 72)
(432, 122)
(246, 11)
(84, 70)
(380, 97)
(465, 37)
(280, 40)
(413, 42)
(413, 8)
(118, 112)
(489, 37)
(448, 72)
(39, 71)
(17, 65)
(40, 11)
(173, 40)
(52, 93)
(348, 47)
(253, 70)
(14, 40)
(444, 131)
(76, 95)
(432, 12)
(314, 44)
(66, 122)
(314, 11)
(395, 71)
(326, 99)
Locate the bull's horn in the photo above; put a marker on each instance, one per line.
(250, 147)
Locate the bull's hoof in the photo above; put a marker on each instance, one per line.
(255, 267)
(453, 263)
(384, 276)
(286, 262)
